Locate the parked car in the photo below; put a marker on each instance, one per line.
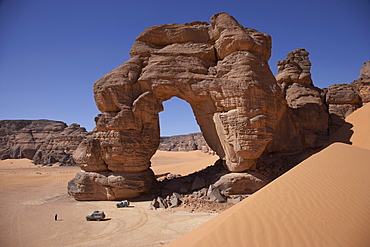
(123, 204)
(96, 215)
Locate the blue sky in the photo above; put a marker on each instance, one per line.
(52, 51)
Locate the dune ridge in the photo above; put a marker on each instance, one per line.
(323, 201)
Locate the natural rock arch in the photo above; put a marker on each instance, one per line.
(221, 69)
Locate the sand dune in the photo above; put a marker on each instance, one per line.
(356, 130)
(324, 201)
(360, 120)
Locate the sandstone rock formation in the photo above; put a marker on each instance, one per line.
(221, 69)
(296, 68)
(312, 114)
(43, 141)
(343, 99)
(305, 122)
(240, 183)
(188, 142)
(362, 84)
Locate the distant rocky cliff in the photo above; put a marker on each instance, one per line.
(188, 142)
(43, 141)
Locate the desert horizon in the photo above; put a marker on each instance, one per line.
(33, 194)
(277, 105)
(321, 202)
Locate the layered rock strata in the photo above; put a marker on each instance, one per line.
(305, 121)
(312, 114)
(221, 69)
(43, 141)
(343, 99)
(362, 84)
(188, 142)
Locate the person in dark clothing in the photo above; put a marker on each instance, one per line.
(55, 217)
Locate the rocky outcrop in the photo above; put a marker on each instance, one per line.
(221, 69)
(188, 142)
(43, 141)
(296, 68)
(305, 122)
(362, 84)
(343, 99)
(312, 114)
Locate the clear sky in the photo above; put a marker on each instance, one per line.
(52, 51)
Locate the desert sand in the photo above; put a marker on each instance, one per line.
(356, 130)
(181, 162)
(323, 201)
(31, 196)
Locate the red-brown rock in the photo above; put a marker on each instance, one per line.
(221, 69)
(43, 141)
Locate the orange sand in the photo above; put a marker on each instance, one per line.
(324, 201)
(360, 129)
(31, 195)
(182, 163)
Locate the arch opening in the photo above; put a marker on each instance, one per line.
(177, 118)
(180, 134)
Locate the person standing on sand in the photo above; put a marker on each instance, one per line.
(55, 217)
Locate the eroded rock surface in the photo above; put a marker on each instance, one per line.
(312, 114)
(43, 141)
(188, 142)
(221, 69)
(362, 84)
(306, 119)
(296, 68)
(343, 99)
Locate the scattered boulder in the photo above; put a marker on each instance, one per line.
(214, 194)
(171, 201)
(161, 202)
(175, 200)
(236, 200)
(154, 204)
(98, 186)
(240, 183)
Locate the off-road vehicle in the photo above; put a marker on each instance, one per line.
(97, 215)
(123, 204)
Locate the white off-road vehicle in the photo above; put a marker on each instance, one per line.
(96, 215)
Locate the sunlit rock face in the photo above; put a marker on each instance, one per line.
(45, 142)
(304, 124)
(221, 69)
